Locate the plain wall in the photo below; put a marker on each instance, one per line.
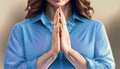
(108, 11)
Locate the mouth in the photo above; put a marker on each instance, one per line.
(57, 0)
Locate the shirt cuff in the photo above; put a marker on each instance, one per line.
(32, 64)
(90, 63)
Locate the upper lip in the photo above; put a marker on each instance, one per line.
(57, 0)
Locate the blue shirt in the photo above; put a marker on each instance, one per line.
(31, 38)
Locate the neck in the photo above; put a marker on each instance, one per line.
(50, 11)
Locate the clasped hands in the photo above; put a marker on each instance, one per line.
(61, 42)
(60, 36)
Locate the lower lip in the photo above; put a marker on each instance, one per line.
(57, 0)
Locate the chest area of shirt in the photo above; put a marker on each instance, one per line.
(38, 42)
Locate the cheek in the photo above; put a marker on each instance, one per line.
(67, 0)
(49, 1)
(52, 2)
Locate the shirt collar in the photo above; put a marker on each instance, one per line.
(44, 19)
(79, 18)
(41, 17)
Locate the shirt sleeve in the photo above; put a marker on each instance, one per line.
(15, 55)
(103, 58)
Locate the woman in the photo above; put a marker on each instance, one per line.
(59, 34)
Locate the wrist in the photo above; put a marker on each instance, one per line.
(53, 52)
(67, 51)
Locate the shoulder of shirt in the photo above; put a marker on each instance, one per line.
(22, 23)
(83, 19)
(96, 22)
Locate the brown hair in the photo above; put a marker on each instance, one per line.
(81, 7)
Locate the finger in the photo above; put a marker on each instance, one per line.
(63, 31)
(60, 31)
(55, 36)
(64, 27)
(63, 20)
(62, 16)
(56, 30)
(56, 39)
(56, 17)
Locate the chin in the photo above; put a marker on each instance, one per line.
(58, 5)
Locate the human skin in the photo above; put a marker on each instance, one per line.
(59, 13)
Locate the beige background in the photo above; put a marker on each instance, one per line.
(108, 11)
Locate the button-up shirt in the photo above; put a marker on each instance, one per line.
(31, 38)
